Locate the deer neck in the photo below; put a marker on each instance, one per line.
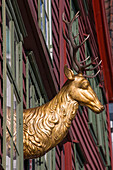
(66, 107)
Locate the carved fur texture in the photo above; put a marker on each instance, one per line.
(46, 126)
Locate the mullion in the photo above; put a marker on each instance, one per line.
(20, 141)
(17, 107)
(13, 81)
(34, 81)
(4, 83)
(27, 83)
(11, 27)
(9, 132)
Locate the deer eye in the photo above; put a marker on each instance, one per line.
(84, 85)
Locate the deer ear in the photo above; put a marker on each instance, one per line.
(68, 73)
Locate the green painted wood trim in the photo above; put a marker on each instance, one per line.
(101, 155)
(75, 156)
(27, 82)
(4, 82)
(17, 107)
(11, 27)
(32, 93)
(8, 13)
(21, 107)
(49, 160)
(36, 72)
(54, 161)
(42, 166)
(94, 135)
(12, 13)
(35, 82)
(41, 101)
(19, 18)
(13, 141)
(13, 81)
(99, 130)
(106, 141)
(33, 96)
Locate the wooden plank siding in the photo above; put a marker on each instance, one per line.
(55, 40)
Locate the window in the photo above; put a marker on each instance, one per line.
(12, 101)
(12, 91)
(45, 22)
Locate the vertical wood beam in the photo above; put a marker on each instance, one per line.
(61, 43)
(17, 108)
(11, 27)
(4, 82)
(21, 107)
(68, 156)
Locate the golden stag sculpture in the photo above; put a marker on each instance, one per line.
(46, 126)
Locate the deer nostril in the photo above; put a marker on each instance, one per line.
(102, 107)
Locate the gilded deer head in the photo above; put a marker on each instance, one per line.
(80, 89)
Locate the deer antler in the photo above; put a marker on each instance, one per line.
(74, 47)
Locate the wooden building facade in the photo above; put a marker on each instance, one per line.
(33, 54)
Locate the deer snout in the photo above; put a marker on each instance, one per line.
(101, 108)
(96, 106)
(91, 100)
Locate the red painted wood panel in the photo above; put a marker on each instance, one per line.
(55, 37)
(58, 158)
(55, 40)
(68, 156)
(55, 11)
(56, 49)
(104, 45)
